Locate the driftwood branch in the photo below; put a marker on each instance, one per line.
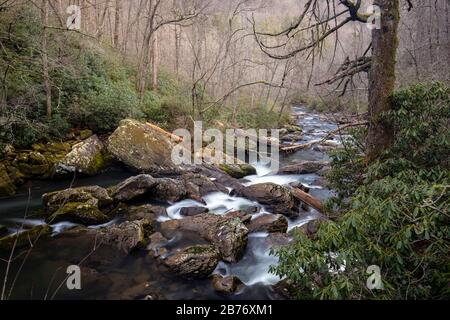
(307, 198)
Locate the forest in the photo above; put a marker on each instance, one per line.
(223, 150)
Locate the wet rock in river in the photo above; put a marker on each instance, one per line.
(86, 157)
(198, 185)
(309, 229)
(242, 215)
(142, 147)
(229, 235)
(275, 198)
(146, 211)
(156, 245)
(192, 211)
(132, 187)
(24, 238)
(226, 285)
(94, 196)
(79, 212)
(269, 223)
(194, 261)
(238, 171)
(126, 236)
(277, 239)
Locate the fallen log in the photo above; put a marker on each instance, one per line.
(296, 147)
(307, 198)
(169, 135)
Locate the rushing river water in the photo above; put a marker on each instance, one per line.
(139, 274)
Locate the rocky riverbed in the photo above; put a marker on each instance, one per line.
(143, 228)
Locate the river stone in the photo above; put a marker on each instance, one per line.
(32, 164)
(193, 262)
(86, 157)
(198, 185)
(142, 148)
(228, 234)
(269, 223)
(132, 187)
(157, 242)
(7, 188)
(146, 211)
(309, 229)
(126, 236)
(94, 196)
(79, 212)
(192, 211)
(304, 167)
(242, 215)
(24, 238)
(276, 198)
(238, 171)
(226, 285)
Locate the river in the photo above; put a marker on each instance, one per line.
(139, 275)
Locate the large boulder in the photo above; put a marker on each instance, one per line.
(238, 171)
(126, 236)
(133, 187)
(94, 196)
(24, 238)
(193, 262)
(86, 157)
(32, 164)
(146, 211)
(269, 223)
(304, 167)
(7, 188)
(79, 212)
(276, 198)
(198, 185)
(142, 147)
(228, 234)
(190, 185)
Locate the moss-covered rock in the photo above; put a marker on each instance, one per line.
(7, 187)
(24, 238)
(238, 170)
(32, 164)
(79, 212)
(93, 195)
(85, 157)
(193, 262)
(227, 234)
(84, 134)
(142, 147)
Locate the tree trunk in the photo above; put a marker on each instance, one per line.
(117, 24)
(47, 86)
(154, 83)
(382, 76)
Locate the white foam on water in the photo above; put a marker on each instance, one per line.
(59, 227)
(261, 169)
(220, 203)
(253, 268)
(277, 179)
(173, 211)
(28, 222)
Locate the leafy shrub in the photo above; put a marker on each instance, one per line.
(395, 215)
(102, 110)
